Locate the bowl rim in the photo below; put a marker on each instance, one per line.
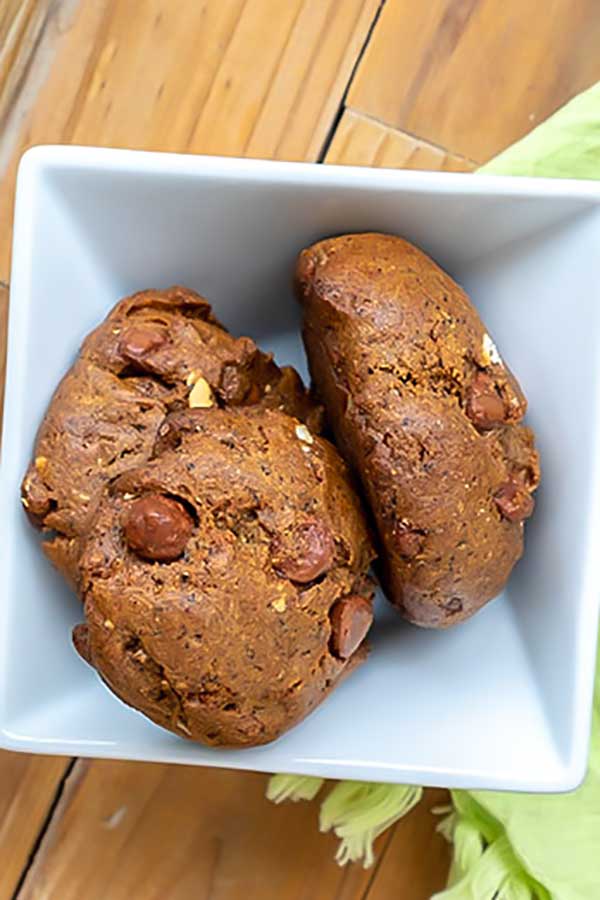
(47, 158)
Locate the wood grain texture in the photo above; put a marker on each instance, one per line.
(28, 785)
(21, 24)
(235, 77)
(475, 75)
(129, 831)
(417, 858)
(30, 32)
(362, 141)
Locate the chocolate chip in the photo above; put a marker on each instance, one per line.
(237, 387)
(408, 540)
(453, 605)
(157, 527)
(514, 501)
(485, 407)
(235, 384)
(351, 619)
(81, 641)
(304, 554)
(138, 341)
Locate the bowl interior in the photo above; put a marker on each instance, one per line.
(500, 702)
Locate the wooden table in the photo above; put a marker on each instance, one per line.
(444, 84)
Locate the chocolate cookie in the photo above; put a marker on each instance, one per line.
(427, 413)
(155, 352)
(224, 580)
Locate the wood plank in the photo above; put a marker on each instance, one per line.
(362, 141)
(28, 785)
(227, 77)
(125, 830)
(30, 31)
(21, 23)
(417, 860)
(294, 98)
(476, 75)
(260, 78)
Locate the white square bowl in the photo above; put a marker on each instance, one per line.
(500, 702)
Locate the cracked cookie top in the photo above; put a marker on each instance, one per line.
(157, 351)
(224, 580)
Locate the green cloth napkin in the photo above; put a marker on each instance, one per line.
(505, 846)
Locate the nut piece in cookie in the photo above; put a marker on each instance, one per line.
(224, 581)
(428, 415)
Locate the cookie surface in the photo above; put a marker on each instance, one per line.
(224, 581)
(155, 352)
(427, 413)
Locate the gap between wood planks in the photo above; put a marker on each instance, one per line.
(381, 855)
(60, 790)
(342, 104)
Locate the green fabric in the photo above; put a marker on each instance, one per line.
(293, 787)
(505, 846)
(359, 812)
(356, 811)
